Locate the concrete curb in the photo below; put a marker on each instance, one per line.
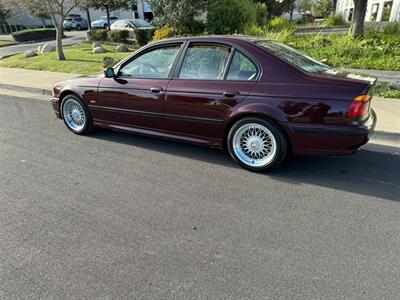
(32, 90)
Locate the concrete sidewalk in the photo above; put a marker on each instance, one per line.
(37, 85)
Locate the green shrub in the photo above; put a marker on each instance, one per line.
(230, 16)
(261, 14)
(28, 35)
(392, 28)
(98, 35)
(195, 27)
(281, 36)
(163, 32)
(385, 90)
(108, 62)
(278, 24)
(143, 36)
(336, 20)
(253, 30)
(375, 50)
(118, 36)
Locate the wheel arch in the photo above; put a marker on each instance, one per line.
(65, 93)
(241, 116)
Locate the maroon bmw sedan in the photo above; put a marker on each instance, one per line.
(258, 99)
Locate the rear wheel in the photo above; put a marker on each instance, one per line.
(257, 144)
(76, 115)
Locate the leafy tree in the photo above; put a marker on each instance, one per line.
(277, 7)
(5, 9)
(305, 5)
(56, 9)
(86, 5)
(178, 13)
(230, 16)
(108, 6)
(322, 8)
(357, 24)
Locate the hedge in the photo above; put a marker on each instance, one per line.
(143, 36)
(29, 35)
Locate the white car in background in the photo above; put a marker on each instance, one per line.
(131, 25)
(102, 22)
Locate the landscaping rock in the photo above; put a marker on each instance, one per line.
(47, 48)
(96, 44)
(98, 50)
(122, 48)
(30, 53)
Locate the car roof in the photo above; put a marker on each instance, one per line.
(216, 38)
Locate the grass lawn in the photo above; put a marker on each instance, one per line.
(375, 50)
(6, 43)
(79, 59)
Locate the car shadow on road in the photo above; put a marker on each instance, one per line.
(368, 173)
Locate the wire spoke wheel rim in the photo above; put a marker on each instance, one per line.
(254, 145)
(74, 115)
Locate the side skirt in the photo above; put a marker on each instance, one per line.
(167, 135)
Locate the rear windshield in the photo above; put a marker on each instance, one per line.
(295, 58)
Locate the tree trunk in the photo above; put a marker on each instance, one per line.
(59, 47)
(108, 16)
(88, 18)
(334, 4)
(357, 24)
(43, 22)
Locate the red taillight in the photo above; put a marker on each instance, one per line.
(359, 107)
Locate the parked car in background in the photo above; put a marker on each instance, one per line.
(102, 22)
(259, 100)
(131, 25)
(296, 16)
(75, 23)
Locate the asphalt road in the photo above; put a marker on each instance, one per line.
(112, 215)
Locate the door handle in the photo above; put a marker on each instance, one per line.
(156, 89)
(231, 94)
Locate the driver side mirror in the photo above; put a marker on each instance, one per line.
(109, 73)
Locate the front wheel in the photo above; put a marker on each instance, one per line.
(76, 115)
(257, 144)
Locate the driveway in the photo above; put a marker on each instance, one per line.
(74, 37)
(113, 215)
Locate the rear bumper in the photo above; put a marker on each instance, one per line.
(311, 139)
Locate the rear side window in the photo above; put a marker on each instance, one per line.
(242, 68)
(205, 62)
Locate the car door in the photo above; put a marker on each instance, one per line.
(210, 80)
(135, 97)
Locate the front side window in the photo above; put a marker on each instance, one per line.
(156, 63)
(207, 62)
(241, 68)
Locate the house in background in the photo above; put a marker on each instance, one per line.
(20, 17)
(377, 10)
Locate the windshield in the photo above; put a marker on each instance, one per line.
(141, 23)
(295, 58)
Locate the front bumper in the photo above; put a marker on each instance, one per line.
(55, 103)
(329, 139)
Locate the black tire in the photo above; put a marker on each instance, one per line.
(105, 26)
(281, 143)
(88, 124)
